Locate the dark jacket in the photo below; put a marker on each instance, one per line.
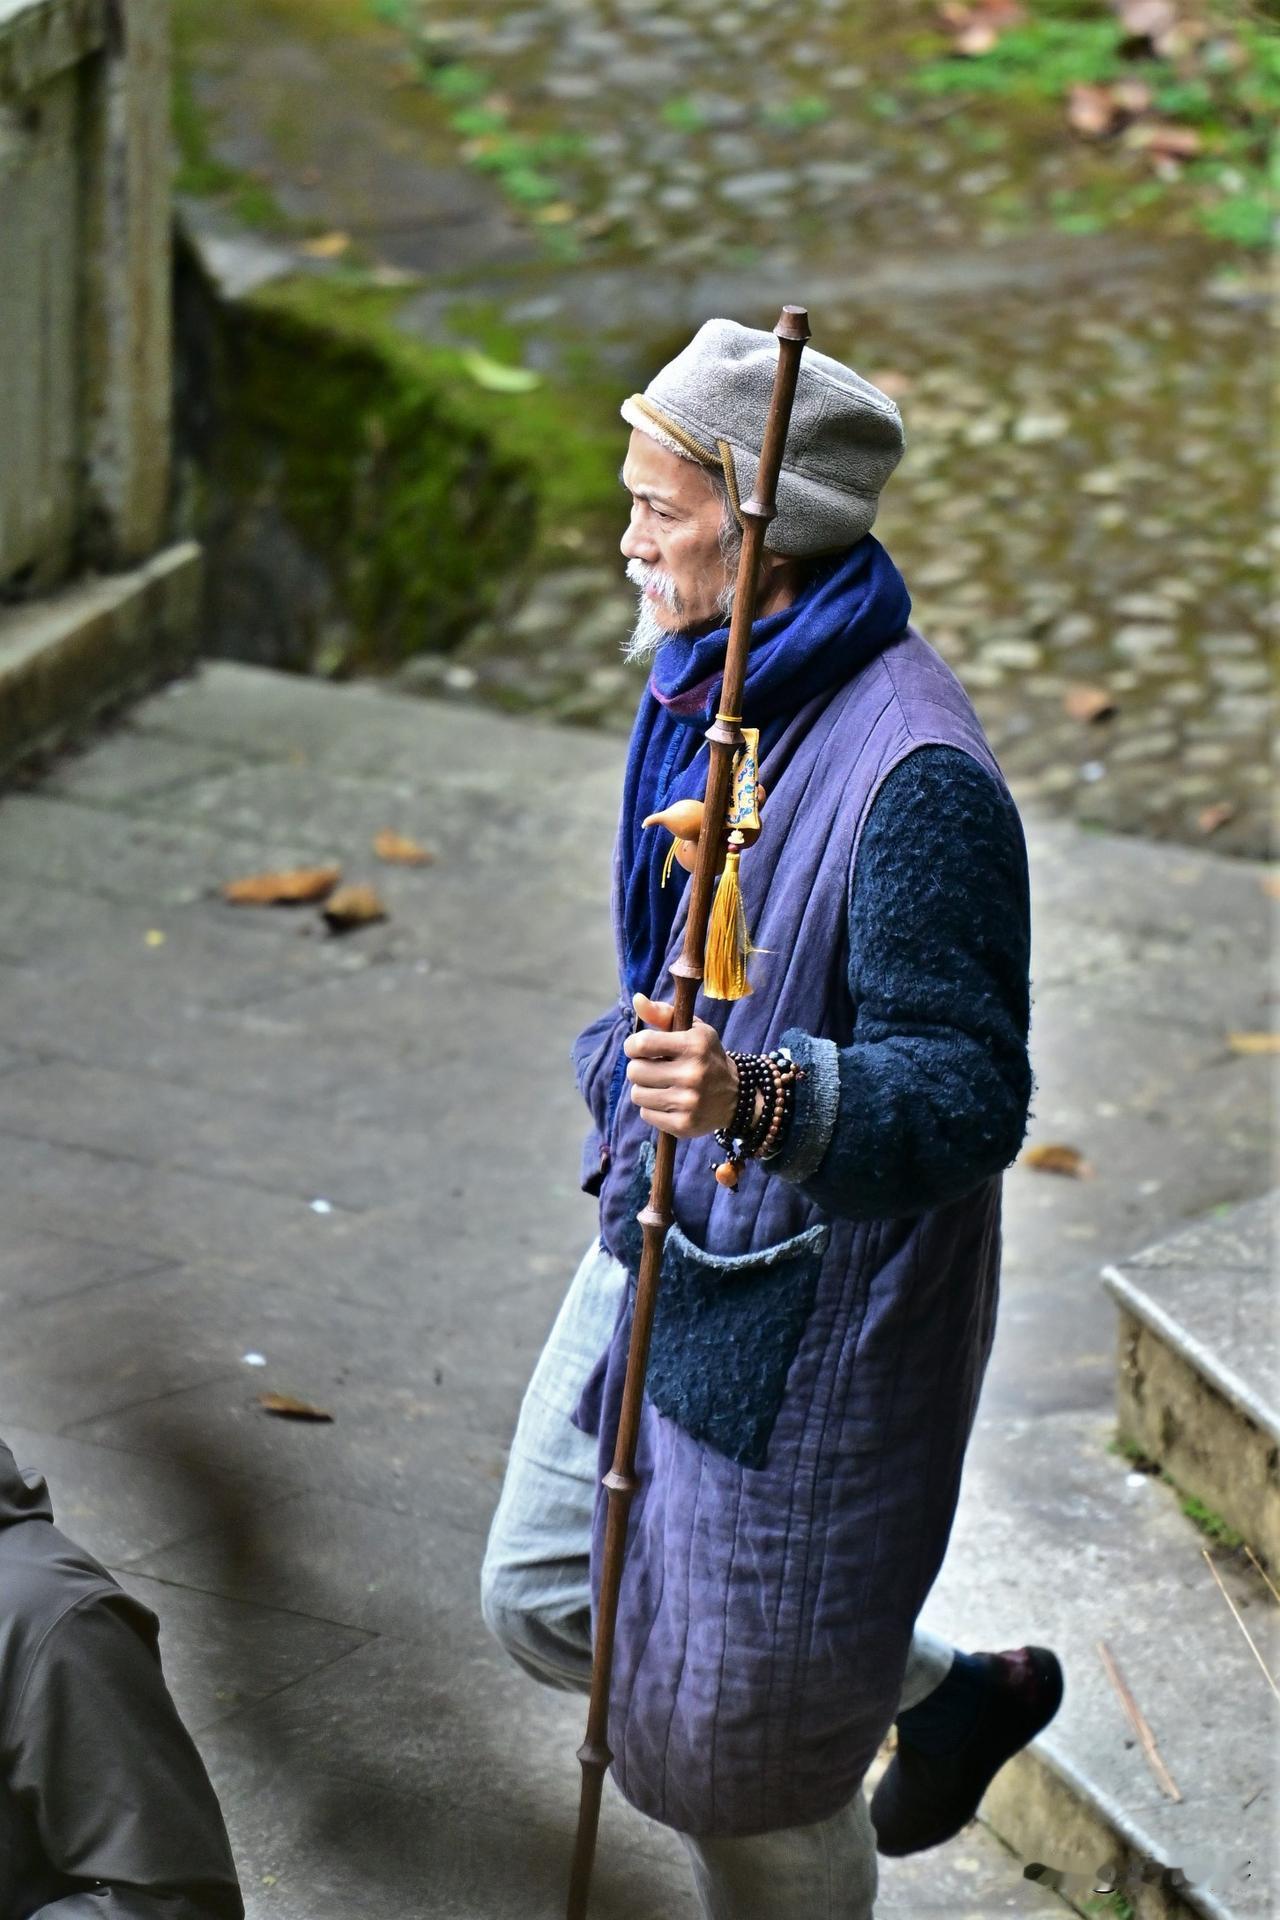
(106, 1811)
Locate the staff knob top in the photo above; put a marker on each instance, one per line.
(793, 324)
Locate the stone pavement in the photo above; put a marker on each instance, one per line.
(227, 1133)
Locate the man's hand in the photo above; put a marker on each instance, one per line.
(683, 1083)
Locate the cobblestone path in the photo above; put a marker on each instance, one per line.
(1081, 504)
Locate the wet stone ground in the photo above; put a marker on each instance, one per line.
(1079, 512)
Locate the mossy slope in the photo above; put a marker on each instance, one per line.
(416, 511)
(420, 497)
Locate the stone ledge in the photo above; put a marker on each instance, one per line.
(42, 38)
(1041, 1792)
(1135, 1303)
(1209, 1447)
(1056, 1544)
(67, 658)
(1195, 1385)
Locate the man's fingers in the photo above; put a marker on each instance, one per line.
(659, 1046)
(654, 1013)
(664, 1099)
(659, 1073)
(666, 1122)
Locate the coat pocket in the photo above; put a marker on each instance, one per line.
(725, 1332)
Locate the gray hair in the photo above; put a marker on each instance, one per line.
(730, 538)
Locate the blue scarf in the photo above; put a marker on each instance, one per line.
(847, 611)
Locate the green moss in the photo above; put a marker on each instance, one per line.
(425, 496)
(1211, 1524)
(417, 516)
(201, 174)
(684, 114)
(794, 115)
(1129, 1450)
(1116, 1904)
(1038, 61)
(567, 431)
(198, 170)
(522, 162)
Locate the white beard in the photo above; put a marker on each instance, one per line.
(646, 636)
(649, 634)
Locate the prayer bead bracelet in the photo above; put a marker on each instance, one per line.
(750, 1135)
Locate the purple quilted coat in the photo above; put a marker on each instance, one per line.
(813, 1379)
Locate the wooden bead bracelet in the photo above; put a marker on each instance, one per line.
(750, 1135)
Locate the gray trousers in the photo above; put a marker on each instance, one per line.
(536, 1598)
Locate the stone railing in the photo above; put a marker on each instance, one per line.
(92, 606)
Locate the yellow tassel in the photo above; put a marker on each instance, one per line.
(728, 942)
(669, 862)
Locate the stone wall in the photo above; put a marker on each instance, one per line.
(85, 363)
(84, 286)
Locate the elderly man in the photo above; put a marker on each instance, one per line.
(822, 1329)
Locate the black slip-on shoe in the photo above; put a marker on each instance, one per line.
(924, 1798)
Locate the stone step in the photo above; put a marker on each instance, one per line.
(1197, 1388)
(76, 653)
(1057, 1544)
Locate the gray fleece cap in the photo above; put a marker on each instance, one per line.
(845, 437)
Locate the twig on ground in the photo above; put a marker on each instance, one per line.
(1138, 1721)
(1240, 1623)
(1261, 1569)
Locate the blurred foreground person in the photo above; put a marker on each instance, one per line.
(106, 1811)
(829, 1284)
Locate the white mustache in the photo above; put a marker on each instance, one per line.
(642, 575)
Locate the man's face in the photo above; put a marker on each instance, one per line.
(672, 545)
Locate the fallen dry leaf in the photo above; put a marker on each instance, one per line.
(1209, 819)
(1134, 96)
(1055, 1158)
(1254, 1042)
(349, 907)
(976, 40)
(285, 1407)
(1088, 703)
(401, 850)
(1147, 23)
(976, 26)
(1164, 141)
(1098, 111)
(495, 377)
(1091, 111)
(1146, 16)
(299, 886)
(326, 246)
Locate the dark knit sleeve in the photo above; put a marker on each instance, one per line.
(931, 1097)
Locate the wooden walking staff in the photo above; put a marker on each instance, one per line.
(725, 736)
